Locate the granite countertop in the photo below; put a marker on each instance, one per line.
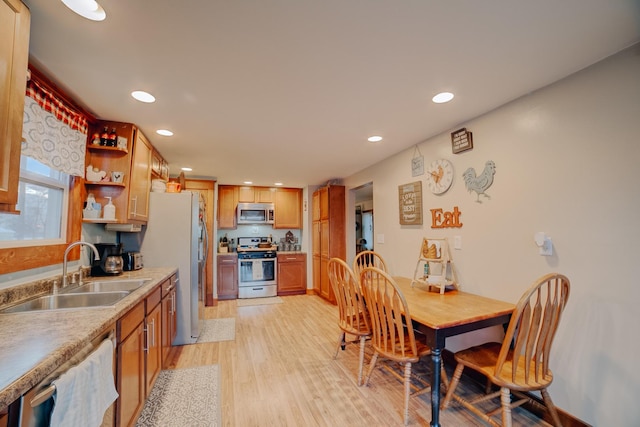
(34, 344)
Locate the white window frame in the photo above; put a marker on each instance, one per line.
(45, 181)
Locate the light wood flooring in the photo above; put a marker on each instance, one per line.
(280, 371)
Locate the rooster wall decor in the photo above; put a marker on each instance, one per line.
(479, 184)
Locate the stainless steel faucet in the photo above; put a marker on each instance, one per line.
(64, 260)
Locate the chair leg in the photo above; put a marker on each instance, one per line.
(551, 407)
(341, 344)
(505, 400)
(455, 379)
(372, 365)
(363, 340)
(407, 391)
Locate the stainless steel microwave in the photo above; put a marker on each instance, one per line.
(255, 213)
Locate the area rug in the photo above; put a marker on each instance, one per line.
(214, 330)
(184, 397)
(259, 301)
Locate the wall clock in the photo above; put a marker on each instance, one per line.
(439, 176)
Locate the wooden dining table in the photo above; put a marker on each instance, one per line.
(439, 316)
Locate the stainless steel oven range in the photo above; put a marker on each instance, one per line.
(257, 268)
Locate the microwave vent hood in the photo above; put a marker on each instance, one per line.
(127, 228)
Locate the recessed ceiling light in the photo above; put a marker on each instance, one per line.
(442, 97)
(143, 96)
(186, 169)
(164, 132)
(89, 9)
(277, 183)
(374, 138)
(248, 182)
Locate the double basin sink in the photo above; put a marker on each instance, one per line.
(95, 294)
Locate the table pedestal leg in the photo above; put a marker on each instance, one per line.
(435, 386)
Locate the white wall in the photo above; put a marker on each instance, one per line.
(567, 163)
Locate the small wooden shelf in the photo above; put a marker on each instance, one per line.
(99, 220)
(435, 253)
(104, 148)
(107, 183)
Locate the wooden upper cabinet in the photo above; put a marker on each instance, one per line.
(248, 194)
(14, 53)
(227, 203)
(324, 203)
(140, 183)
(288, 208)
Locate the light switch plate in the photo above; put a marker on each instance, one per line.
(457, 242)
(380, 238)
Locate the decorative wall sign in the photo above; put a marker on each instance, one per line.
(461, 140)
(417, 163)
(443, 219)
(410, 202)
(479, 184)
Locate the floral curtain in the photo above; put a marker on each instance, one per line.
(53, 133)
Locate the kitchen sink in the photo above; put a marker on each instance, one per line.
(68, 301)
(128, 285)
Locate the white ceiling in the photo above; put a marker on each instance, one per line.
(289, 90)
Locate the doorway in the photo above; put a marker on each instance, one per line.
(364, 217)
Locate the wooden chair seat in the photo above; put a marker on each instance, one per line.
(484, 358)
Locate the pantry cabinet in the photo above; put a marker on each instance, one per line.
(14, 53)
(328, 235)
(288, 208)
(227, 276)
(131, 158)
(292, 274)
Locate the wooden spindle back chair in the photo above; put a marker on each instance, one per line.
(353, 318)
(521, 362)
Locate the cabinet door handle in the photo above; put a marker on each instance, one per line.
(134, 205)
(153, 332)
(146, 343)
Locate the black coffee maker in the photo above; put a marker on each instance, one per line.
(110, 262)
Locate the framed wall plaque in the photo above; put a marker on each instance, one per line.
(410, 202)
(461, 140)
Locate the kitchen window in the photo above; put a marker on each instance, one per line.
(42, 205)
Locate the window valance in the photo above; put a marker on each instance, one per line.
(53, 133)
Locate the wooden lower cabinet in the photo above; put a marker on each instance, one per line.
(227, 276)
(153, 348)
(169, 318)
(139, 356)
(130, 379)
(292, 274)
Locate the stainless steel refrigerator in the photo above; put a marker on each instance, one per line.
(176, 235)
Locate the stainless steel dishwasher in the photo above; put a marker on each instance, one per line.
(37, 403)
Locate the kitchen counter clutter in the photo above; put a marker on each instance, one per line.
(35, 343)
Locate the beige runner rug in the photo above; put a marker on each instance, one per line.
(184, 397)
